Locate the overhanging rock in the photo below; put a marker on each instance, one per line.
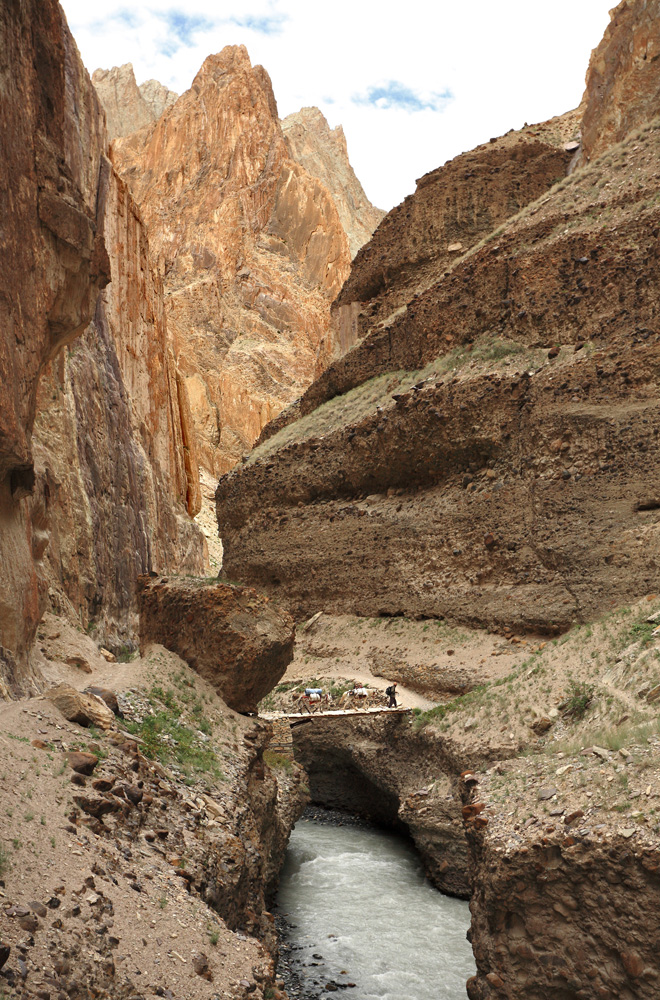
(234, 637)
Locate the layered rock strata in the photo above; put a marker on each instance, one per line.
(127, 106)
(419, 242)
(232, 636)
(251, 246)
(323, 152)
(485, 454)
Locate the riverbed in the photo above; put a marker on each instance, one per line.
(358, 916)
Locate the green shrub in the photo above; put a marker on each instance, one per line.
(579, 697)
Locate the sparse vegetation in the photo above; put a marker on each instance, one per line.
(579, 697)
(166, 738)
(277, 760)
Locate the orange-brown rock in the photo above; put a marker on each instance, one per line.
(251, 247)
(623, 83)
(232, 636)
(322, 151)
(54, 264)
(95, 436)
(114, 441)
(506, 478)
(127, 106)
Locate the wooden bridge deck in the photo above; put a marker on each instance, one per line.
(334, 713)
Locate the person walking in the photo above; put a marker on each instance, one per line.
(391, 695)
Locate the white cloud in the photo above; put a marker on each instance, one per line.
(502, 63)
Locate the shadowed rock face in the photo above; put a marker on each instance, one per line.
(95, 436)
(54, 264)
(383, 769)
(251, 246)
(232, 636)
(623, 83)
(113, 443)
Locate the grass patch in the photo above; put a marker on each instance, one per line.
(277, 760)
(579, 697)
(168, 739)
(439, 712)
(642, 632)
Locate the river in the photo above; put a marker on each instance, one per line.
(356, 908)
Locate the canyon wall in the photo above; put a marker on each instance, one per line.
(115, 443)
(93, 435)
(484, 450)
(419, 242)
(55, 264)
(251, 248)
(563, 901)
(623, 83)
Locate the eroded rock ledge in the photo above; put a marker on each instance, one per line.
(232, 636)
(565, 878)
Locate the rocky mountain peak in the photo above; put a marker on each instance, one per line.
(127, 106)
(251, 246)
(323, 152)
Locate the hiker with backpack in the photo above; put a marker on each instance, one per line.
(391, 695)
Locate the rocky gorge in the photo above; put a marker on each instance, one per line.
(453, 485)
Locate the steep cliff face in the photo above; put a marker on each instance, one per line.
(113, 429)
(623, 84)
(251, 247)
(322, 151)
(564, 898)
(54, 264)
(505, 478)
(93, 439)
(127, 106)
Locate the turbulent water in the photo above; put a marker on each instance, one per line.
(357, 909)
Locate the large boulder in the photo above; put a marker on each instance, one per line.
(81, 707)
(232, 636)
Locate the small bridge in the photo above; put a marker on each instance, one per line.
(284, 722)
(295, 718)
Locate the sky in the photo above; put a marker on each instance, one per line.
(412, 83)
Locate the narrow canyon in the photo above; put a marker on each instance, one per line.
(305, 505)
